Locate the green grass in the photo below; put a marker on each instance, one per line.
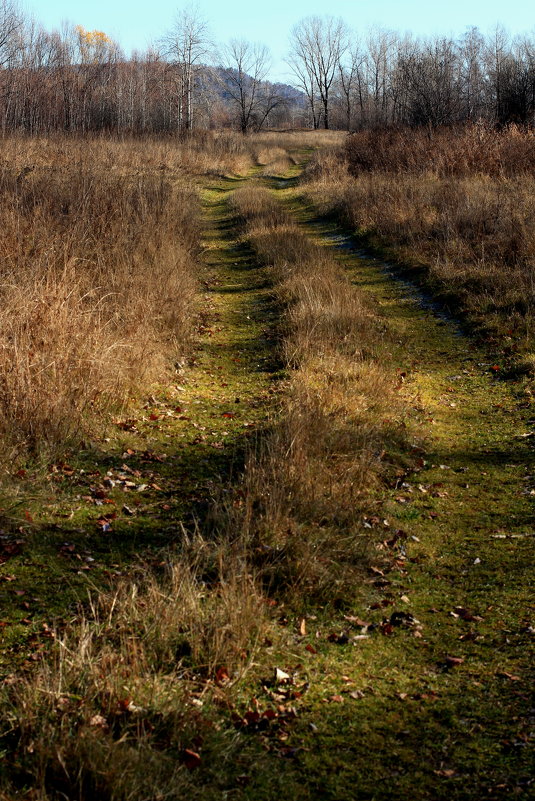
(426, 726)
(182, 445)
(384, 717)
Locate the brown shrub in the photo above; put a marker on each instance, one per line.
(467, 150)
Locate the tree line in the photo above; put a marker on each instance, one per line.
(384, 78)
(77, 80)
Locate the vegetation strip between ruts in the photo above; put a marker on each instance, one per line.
(412, 680)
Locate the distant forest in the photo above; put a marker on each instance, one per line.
(78, 81)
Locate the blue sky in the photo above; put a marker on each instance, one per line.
(135, 25)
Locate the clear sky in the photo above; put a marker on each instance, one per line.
(134, 25)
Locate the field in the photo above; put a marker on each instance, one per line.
(266, 410)
(455, 208)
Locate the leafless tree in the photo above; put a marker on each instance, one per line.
(303, 72)
(472, 77)
(11, 23)
(350, 80)
(243, 74)
(381, 47)
(317, 46)
(430, 79)
(497, 53)
(188, 46)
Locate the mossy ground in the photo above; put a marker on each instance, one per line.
(436, 709)
(446, 713)
(83, 521)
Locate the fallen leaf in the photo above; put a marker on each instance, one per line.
(376, 570)
(403, 619)
(281, 677)
(454, 661)
(357, 621)
(98, 721)
(509, 676)
(465, 614)
(191, 759)
(339, 639)
(386, 628)
(222, 676)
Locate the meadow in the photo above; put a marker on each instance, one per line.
(265, 513)
(454, 206)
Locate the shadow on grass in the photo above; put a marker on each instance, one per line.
(98, 522)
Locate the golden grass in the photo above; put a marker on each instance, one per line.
(110, 713)
(460, 204)
(95, 289)
(307, 489)
(98, 237)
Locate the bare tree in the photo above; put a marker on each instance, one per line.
(317, 47)
(304, 73)
(349, 79)
(11, 23)
(243, 74)
(430, 76)
(381, 51)
(471, 51)
(188, 46)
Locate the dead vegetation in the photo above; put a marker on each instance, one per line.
(96, 288)
(456, 204)
(116, 710)
(308, 487)
(98, 237)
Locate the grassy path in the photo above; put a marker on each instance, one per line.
(422, 689)
(441, 708)
(125, 497)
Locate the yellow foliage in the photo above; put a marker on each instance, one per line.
(94, 45)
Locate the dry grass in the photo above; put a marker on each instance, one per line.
(307, 489)
(95, 290)
(463, 151)
(98, 239)
(460, 204)
(201, 153)
(120, 705)
(113, 709)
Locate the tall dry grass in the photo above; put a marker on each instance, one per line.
(95, 290)
(341, 429)
(98, 237)
(201, 153)
(457, 204)
(116, 711)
